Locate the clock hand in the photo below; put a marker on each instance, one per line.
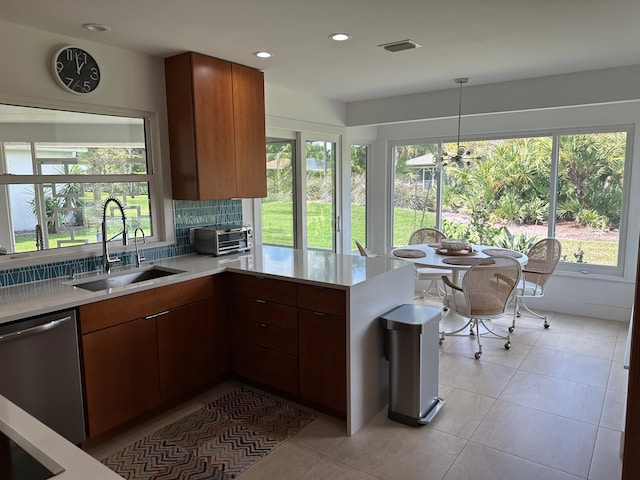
(79, 65)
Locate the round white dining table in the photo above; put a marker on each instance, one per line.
(455, 263)
(450, 321)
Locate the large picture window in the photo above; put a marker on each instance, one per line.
(58, 168)
(565, 185)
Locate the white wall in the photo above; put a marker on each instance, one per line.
(285, 105)
(585, 88)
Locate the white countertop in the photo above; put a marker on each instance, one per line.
(306, 266)
(41, 440)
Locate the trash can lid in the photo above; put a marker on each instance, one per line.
(410, 317)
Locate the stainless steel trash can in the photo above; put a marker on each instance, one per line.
(411, 346)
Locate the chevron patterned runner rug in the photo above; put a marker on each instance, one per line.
(216, 442)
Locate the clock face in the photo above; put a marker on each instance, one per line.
(76, 70)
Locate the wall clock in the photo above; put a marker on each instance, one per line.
(75, 70)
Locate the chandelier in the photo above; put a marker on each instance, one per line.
(464, 156)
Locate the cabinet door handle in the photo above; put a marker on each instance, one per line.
(149, 317)
(261, 301)
(263, 325)
(320, 314)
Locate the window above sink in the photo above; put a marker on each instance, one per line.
(56, 170)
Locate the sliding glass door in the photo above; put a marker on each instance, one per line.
(320, 194)
(278, 208)
(300, 209)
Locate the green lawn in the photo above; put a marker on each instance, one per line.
(27, 243)
(277, 228)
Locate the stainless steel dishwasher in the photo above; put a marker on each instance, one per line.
(40, 371)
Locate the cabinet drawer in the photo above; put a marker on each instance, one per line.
(264, 288)
(266, 366)
(285, 341)
(263, 311)
(106, 313)
(322, 299)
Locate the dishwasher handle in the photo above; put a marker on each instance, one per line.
(33, 330)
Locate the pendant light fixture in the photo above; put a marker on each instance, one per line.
(464, 157)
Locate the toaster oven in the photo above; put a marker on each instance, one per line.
(222, 242)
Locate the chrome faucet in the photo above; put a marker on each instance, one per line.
(139, 258)
(105, 249)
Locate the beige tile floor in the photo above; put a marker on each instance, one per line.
(551, 407)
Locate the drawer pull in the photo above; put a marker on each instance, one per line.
(320, 314)
(261, 301)
(149, 317)
(263, 325)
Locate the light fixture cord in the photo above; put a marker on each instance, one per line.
(459, 114)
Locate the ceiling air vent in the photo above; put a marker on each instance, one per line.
(400, 46)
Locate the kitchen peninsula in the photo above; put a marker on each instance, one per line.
(368, 288)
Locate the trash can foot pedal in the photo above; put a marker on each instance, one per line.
(433, 412)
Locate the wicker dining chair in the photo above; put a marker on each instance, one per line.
(543, 260)
(426, 235)
(422, 272)
(484, 295)
(361, 249)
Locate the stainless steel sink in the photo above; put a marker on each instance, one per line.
(115, 280)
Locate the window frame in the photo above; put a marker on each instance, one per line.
(617, 270)
(160, 235)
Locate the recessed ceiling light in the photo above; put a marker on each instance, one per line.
(263, 54)
(339, 37)
(96, 27)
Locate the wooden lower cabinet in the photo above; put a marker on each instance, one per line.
(121, 373)
(292, 337)
(322, 360)
(287, 336)
(268, 367)
(189, 357)
(178, 344)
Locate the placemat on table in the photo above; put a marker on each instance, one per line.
(460, 260)
(502, 251)
(409, 253)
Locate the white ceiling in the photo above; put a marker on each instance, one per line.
(486, 40)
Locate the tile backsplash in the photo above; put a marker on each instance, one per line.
(187, 214)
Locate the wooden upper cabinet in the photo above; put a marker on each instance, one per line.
(216, 128)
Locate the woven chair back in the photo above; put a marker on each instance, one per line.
(426, 235)
(543, 260)
(488, 285)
